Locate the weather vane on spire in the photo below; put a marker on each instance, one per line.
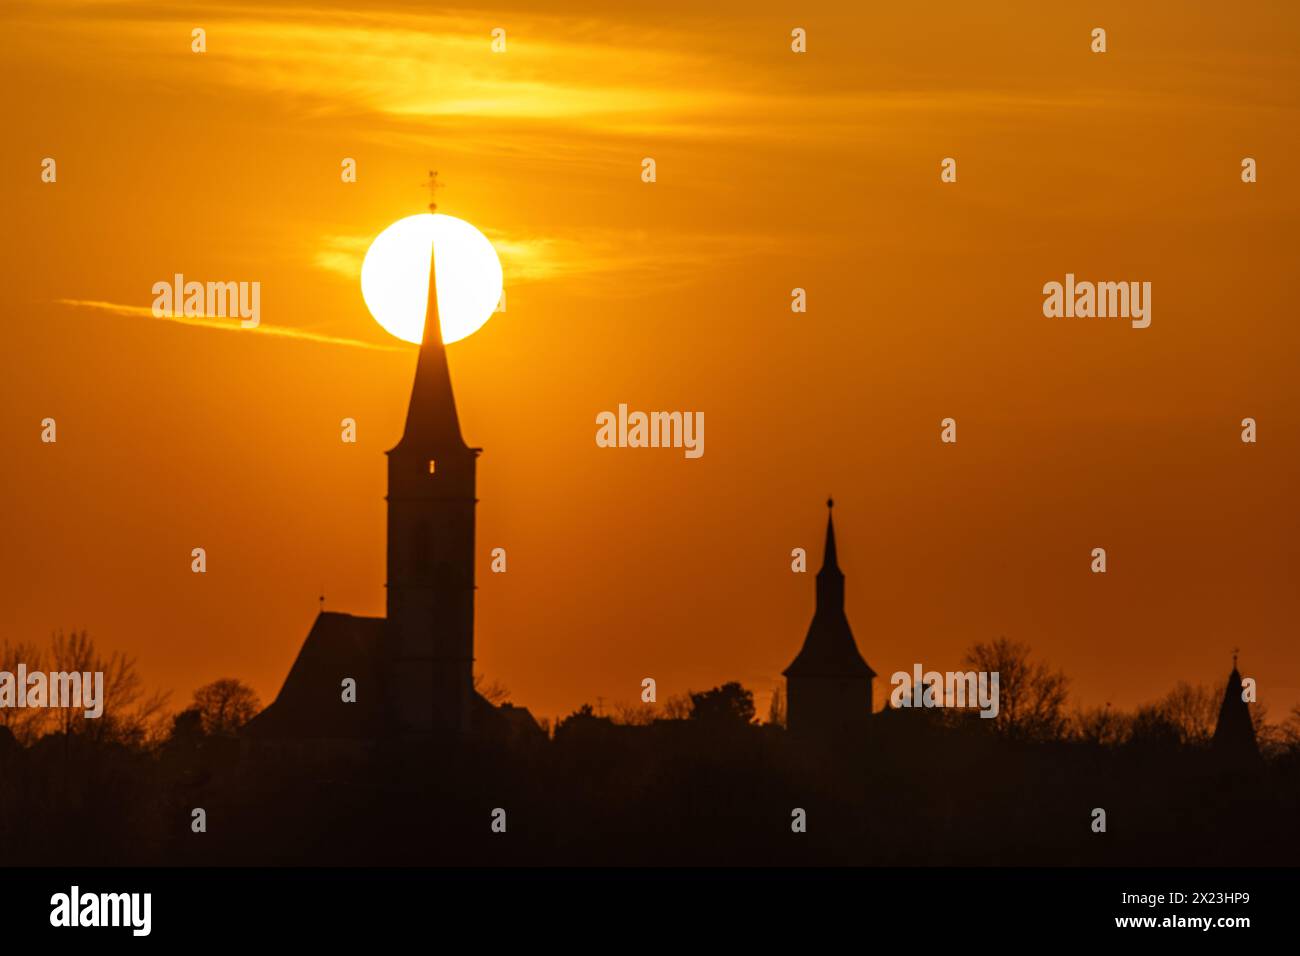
(433, 186)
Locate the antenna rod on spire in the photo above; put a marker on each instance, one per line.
(433, 186)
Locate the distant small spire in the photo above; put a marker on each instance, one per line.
(322, 600)
(1234, 732)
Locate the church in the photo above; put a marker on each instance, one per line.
(412, 672)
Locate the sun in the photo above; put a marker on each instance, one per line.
(395, 276)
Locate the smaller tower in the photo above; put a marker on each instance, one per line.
(828, 685)
(1234, 734)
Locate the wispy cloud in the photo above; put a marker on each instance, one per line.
(343, 255)
(431, 65)
(230, 325)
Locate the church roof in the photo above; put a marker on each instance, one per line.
(829, 649)
(310, 704)
(1234, 733)
(432, 425)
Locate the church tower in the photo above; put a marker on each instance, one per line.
(431, 500)
(828, 685)
(1234, 733)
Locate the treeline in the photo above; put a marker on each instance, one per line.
(1034, 706)
(696, 779)
(132, 716)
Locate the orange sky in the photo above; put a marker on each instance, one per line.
(774, 171)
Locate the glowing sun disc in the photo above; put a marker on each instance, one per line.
(395, 276)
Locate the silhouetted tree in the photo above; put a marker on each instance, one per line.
(585, 712)
(634, 715)
(130, 716)
(25, 723)
(187, 726)
(1192, 711)
(1101, 726)
(225, 705)
(1284, 738)
(1031, 696)
(1152, 727)
(678, 707)
(729, 704)
(493, 693)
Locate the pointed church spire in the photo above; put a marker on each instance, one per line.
(829, 648)
(830, 560)
(432, 425)
(1234, 733)
(830, 579)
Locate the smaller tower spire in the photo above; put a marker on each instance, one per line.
(433, 186)
(1234, 733)
(830, 557)
(828, 684)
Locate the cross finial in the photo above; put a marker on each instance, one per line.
(433, 186)
(1234, 657)
(830, 502)
(322, 602)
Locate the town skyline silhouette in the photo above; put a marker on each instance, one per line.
(389, 710)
